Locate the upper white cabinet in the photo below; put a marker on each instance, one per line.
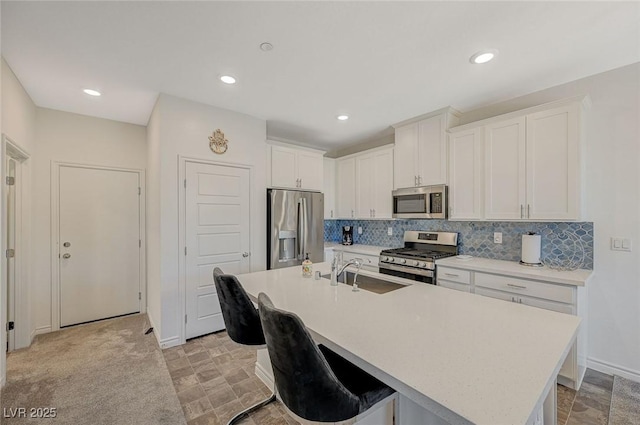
(296, 168)
(553, 164)
(505, 187)
(374, 183)
(329, 188)
(466, 165)
(420, 157)
(530, 161)
(346, 187)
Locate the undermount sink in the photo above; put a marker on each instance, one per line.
(367, 283)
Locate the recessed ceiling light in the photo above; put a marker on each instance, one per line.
(265, 47)
(228, 79)
(343, 117)
(91, 92)
(483, 56)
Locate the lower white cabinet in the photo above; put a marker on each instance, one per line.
(567, 299)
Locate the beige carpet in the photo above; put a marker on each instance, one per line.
(107, 373)
(625, 402)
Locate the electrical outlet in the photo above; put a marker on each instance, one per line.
(390, 231)
(359, 230)
(497, 237)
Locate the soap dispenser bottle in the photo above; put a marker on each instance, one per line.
(307, 267)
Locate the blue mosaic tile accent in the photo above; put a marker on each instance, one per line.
(561, 241)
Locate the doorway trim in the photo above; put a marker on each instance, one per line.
(20, 292)
(182, 235)
(55, 234)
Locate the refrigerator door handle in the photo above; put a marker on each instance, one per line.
(301, 228)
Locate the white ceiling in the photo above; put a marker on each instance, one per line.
(379, 62)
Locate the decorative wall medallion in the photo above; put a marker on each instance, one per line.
(217, 142)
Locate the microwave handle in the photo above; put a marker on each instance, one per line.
(428, 201)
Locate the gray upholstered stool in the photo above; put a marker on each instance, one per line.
(313, 382)
(242, 321)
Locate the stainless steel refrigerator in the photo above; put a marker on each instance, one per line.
(295, 227)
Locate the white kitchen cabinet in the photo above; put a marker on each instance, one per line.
(536, 292)
(530, 161)
(296, 168)
(421, 149)
(346, 187)
(374, 183)
(553, 164)
(329, 188)
(505, 161)
(466, 178)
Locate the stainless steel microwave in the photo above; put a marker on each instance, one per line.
(420, 202)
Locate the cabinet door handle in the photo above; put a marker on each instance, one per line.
(419, 180)
(521, 211)
(351, 213)
(331, 213)
(512, 285)
(513, 299)
(415, 180)
(528, 211)
(452, 275)
(374, 213)
(519, 300)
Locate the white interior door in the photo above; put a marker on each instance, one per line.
(217, 235)
(99, 246)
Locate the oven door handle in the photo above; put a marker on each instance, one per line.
(410, 270)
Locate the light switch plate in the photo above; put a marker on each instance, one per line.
(390, 231)
(359, 230)
(621, 244)
(497, 237)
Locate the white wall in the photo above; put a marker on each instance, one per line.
(18, 124)
(612, 191)
(184, 128)
(66, 137)
(154, 290)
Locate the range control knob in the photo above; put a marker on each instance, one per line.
(423, 264)
(414, 263)
(403, 261)
(390, 259)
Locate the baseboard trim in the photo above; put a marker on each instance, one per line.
(613, 369)
(41, 330)
(174, 341)
(263, 375)
(2, 381)
(156, 331)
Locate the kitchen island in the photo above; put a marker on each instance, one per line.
(464, 358)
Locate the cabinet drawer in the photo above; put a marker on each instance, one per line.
(533, 302)
(549, 291)
(454, 275)
(454, 285)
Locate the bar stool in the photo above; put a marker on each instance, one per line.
(242, 321)
(313, 382)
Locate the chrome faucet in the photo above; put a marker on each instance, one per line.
(354, 261)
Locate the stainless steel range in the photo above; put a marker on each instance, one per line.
(416, 260)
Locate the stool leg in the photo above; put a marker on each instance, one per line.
(248, 410)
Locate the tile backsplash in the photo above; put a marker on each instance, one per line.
(561, 242)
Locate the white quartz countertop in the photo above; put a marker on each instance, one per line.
(515, 269)
(469, 359)
(357, 248)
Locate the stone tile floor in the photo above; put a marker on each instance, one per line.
(214, 379)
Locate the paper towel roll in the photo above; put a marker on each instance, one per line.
(531, 249)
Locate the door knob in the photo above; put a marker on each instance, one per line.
(66, 244)
(245, 254)
(66, 256)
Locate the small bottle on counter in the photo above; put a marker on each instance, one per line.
(307, 267)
